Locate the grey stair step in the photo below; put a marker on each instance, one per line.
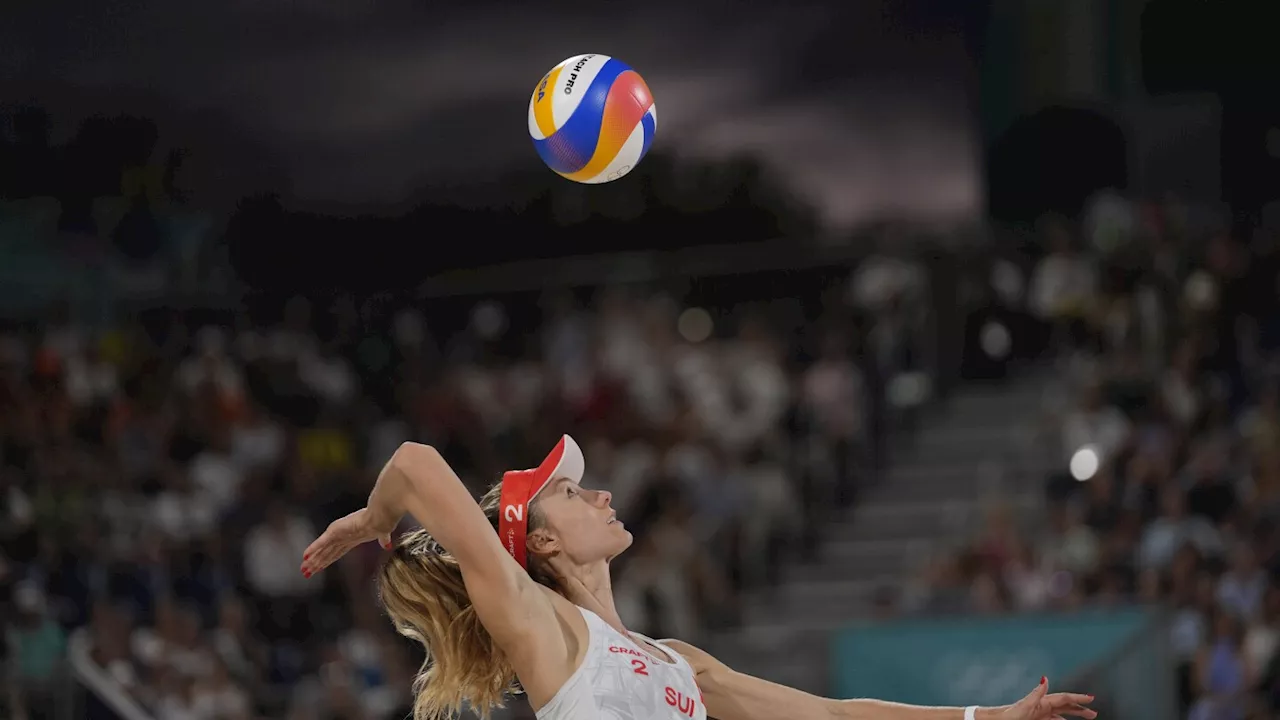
(943, 489)
(993, 436)
(887, 519)
(815, 624)
(922, 525)
(976, 447)
(962, 450)
(874, 557)
(770, 639)
(816, 605)
(838, 593)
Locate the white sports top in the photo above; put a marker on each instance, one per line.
(619, 680)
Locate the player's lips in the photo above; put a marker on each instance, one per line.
(613, 518)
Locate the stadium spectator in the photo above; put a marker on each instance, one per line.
(1174, 393)
(217, 445)
(36, 647)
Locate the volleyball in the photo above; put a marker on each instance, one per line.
(592, 118)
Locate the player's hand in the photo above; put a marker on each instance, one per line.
(344, 534)
(1040, 705)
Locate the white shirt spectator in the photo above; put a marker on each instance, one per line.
(272, 552)
(481, 389)
(175, 707)
(258, 444)
(184, 514)
(881, 278)
(1104, 428)
(1077, 549)
(1165, 536)
(19, 510)
(90, 380)
(764, 388)
(1260, 643)
(1061, 283)
(1181, 397)
(1242, 594)
(217, 477)
(210, 364)
(1031, 586)
(191, 662)
(701, 379)
(524, 386)
(329, 377)
(218, 370)
(1242, 588)
(223, 701)
(772, 511)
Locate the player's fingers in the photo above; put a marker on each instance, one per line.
(1061, 699)
(311, 556)
(317, 546)
(314, 547)
(1063, 706)
(332, 554)
(324, 556)
(311, 560)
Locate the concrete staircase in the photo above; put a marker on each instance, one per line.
(982, 445)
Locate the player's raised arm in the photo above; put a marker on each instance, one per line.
(418, 481)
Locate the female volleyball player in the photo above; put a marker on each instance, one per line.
(530, 607)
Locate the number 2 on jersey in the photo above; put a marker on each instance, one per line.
(639, 667)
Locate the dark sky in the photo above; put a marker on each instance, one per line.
(864, 106)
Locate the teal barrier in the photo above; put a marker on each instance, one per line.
(39, 268)
(994, 661)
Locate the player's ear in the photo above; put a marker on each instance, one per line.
(542, 543)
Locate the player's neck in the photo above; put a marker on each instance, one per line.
(591, 588)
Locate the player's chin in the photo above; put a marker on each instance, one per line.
(620, 546)
(622, 539)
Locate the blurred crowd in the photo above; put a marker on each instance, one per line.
(160, 479)
(165, 461)
(1167, 413)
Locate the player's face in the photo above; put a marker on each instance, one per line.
(581, 522)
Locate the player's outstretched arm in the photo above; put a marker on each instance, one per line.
(731, 695)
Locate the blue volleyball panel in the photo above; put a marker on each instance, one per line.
(650, 129)
(569, 149)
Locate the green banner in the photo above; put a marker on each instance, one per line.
(993, 661)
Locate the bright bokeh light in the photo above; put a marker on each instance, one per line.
(1084, 463)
